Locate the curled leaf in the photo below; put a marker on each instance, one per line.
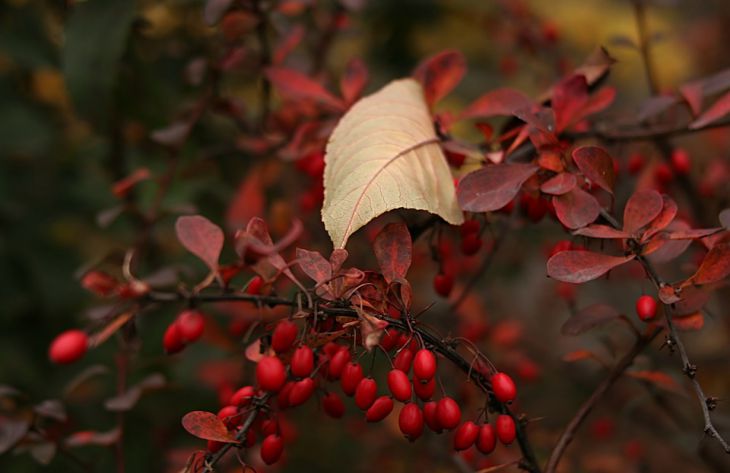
(201, 237)
(440, 73)
(384, 155)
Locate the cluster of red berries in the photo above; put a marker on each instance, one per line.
(185, 329)
(294, 373)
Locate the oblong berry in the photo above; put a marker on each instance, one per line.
(351, 376)
(380, 409)
(424, 364)
(333, 405)
(410, 421)
(503, 387)
(399, 385)
(365, 393)
(506, 429)
(449, 413)
(190, 324)
(465, 435)
(487, 439)
(284, 336)
(68, 346)
(270, 373)
(271, 449)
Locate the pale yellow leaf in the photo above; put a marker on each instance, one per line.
(384, 155)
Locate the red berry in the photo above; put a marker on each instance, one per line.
(254, 286)
(430, 414)
(337, 363)
(380, 409)
(403, 360)
(503, 387)
(663, 173)
(99, 282)
(230, 416)
(636, 162)
(680, 161)
(365, 393)
(506, 431)
(449, 413)
(424, 389)
(424, 364)
(172, 341)
(190, 324)
(270, 373)
(270, 427)
(214, 446)
(243, 396)
(389, 340)
(471, 244)
(133, 289)
(68, 347)
(302, 362)
(399, 385)
(282, 397)
(301, 391)
(271, 449)
(487, 440)
(443, 284)
(410, 421)
(351, 376)
(646, 307)
(284, 336)
(333, 405)
(465, 435)
(469, 227)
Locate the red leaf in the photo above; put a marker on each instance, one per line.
(559, 184)
(492, 187)
(207, 426)
(692, 234)
(601, 231)
(596, 165)
(597, 102)
(689, 323)
(692, 94)
(506, 101)
(314, 265)
(660, 249)
(440, 73)
(11, 432)
(589, 318)
(287, 44)
(248, 201)
(201, 237)
(90, 437)
(579, 355)
(570, 95)
(577, 208)
(716, 111)
(353, 80)
(716, 265)
(394, 250)
(122, 187)
(643, 207)
(662, 221)
(582, 266)
(294, 84)
(657, 378)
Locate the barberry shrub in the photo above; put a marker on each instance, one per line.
(392, 259)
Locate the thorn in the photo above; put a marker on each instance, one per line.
(690, 370)
(711, 402)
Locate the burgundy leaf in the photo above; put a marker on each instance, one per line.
(570, 95)
(440, 73)
(394, 250)
(643, 207)
(582, 266)
(596, 165)
(11, 431)
(337, 258)
(577, 208)
(201, 237)
(353, 80)
(207, 426)
(716, 111)
(51, 408)
(128, 399)
(601, 231)
(662, 221)
(597, 102)
(505, 102)
(657, 378)
(689, 323)
(492, 187)
(588, 318)
(287, 44)
(559, 184)
(660, 249)
(90, 437)
(173, 135)
(692, 234)
(314, 265)
(716, 264)
(294, 84)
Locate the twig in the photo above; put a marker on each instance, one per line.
(689, 369)
(443, 347)
(600, 391)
